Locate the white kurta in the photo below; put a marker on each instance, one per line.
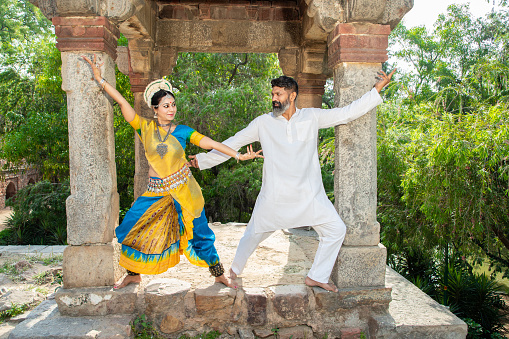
(292, 192)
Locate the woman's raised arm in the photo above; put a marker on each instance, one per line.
(127, 110)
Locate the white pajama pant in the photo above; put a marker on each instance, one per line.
(331, 236)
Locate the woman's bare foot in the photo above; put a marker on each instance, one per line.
(329, 287)
(233, 275)
(129, 279)
(222, 279)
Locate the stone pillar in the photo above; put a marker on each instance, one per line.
(92, 207)
(307, 65)
(356, 51)
(311, 89)
(138, 84)
(146, 63)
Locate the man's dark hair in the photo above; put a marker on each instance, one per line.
(286, 83)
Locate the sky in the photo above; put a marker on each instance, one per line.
(425, 12)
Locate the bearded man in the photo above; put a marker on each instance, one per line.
(292, 193)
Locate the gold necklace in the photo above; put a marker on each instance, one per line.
(162, 148)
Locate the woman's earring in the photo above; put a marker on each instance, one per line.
(155, 115)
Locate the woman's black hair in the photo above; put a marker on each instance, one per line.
(159, 95)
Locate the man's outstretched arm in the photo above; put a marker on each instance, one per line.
(244, 137)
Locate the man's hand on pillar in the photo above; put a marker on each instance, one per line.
(383, 79)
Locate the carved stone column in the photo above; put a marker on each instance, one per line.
(139, 76)
(146, 63)
(307, 65)
(92, 207)
(356, 51)
(311, 89)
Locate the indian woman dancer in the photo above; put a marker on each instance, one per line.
(168, 219)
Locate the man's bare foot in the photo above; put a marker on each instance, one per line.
(129, 279)
(233, 275)
(329, 287)
(222, 279)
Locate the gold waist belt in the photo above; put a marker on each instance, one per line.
(170, 182)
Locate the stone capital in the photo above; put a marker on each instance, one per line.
(358, 42)
(116, 10)
(86, 34)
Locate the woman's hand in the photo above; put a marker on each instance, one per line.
(250, 154)
(95, 67)
(383, 79)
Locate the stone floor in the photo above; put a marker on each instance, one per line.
(282, 259)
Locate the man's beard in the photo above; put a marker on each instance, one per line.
(281, 108)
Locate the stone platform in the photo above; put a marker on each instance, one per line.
(270, 297)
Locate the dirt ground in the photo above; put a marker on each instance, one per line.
(24, 283)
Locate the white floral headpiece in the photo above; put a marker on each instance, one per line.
(154, 87)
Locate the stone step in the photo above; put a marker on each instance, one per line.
(290, 311)
(174, 306)
(46, 322)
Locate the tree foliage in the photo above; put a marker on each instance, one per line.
(443, 151)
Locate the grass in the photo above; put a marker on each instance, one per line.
(13, 311)
(42, 278)
(54, 259)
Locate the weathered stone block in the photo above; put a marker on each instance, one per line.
(290, 301)
(170, 324)
(256, 300)
(263, 332)
(297, 332)
(360, 266)
(215, 301)
(351, 333)
(89, 265)
(166, 295)
(350, 298)
(96, 301)
(246, 333)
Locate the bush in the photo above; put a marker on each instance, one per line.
(232, 195)
(475, 297)
(38, 216)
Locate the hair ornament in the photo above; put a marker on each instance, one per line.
(154, 87)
